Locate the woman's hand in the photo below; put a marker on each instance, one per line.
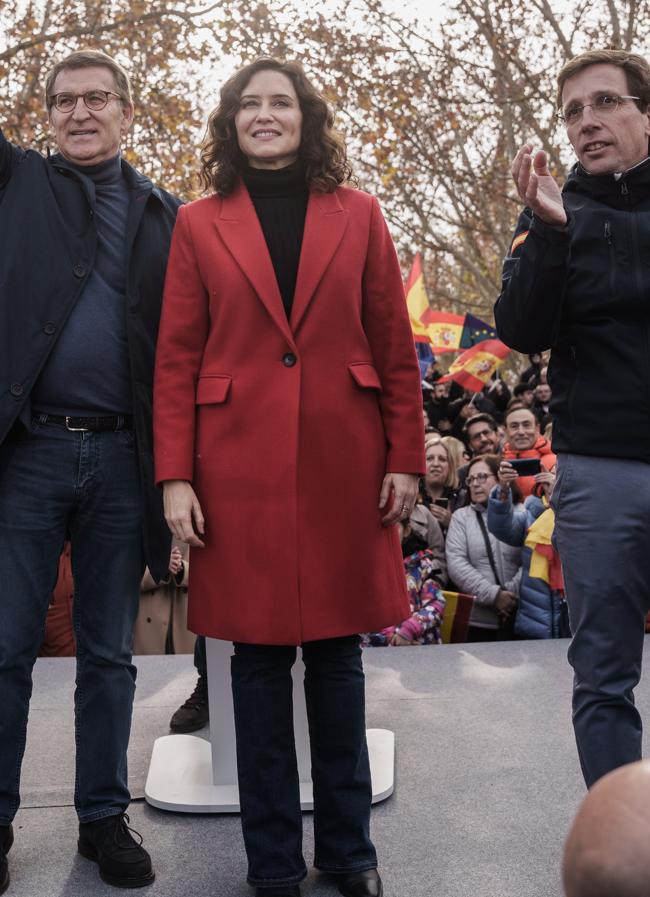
(506, 603)
(175, 561)
(183, 512)
(507, 476)
(403, 489)
(442, 515)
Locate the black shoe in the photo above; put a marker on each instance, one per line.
(6, 840)
(195, 712)
(282, 891)
(122, 861)
(361, 884)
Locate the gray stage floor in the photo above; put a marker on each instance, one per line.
(487, 780)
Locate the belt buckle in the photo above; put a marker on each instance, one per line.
(75, 429)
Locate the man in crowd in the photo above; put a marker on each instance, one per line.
(525, 393)
(83, 248)
(576, 280)
(437, 406)
(541, 404)
(481, 435)
(524, 441)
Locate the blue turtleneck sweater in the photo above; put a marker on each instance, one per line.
(88, 370)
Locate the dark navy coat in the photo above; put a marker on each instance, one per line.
(48, 241)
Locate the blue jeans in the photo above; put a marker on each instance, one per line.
(602, 508)
(53, 482)
(267, 767)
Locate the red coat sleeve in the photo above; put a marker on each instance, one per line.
(181, 341)
(387, 327)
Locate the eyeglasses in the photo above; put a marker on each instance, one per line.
(602, 107)
(478, 478)
(95, 100)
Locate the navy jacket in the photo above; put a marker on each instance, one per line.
(541, 612)
(48, 241)
(583, 291)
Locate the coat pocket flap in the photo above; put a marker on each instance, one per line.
(213, 389)
(365, 375)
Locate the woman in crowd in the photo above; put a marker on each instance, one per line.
(439, 487)
(289, 439)
(478, 563)
(542, 610)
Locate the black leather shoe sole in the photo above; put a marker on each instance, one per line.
(118, 881)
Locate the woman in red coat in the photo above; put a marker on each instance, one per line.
(288, 440)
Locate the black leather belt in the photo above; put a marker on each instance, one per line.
(109, 422)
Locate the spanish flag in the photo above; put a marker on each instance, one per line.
(474, 367)
(445, 330)
(417, 300)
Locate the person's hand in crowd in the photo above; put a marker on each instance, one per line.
(545, 479)
(506, 603)
(175, 561)
(399, 640)
(442, 515)
(536, 186)
(183, 512)
(507, 476)
(403, 489)
(468, 410)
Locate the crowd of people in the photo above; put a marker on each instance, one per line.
(482, 525)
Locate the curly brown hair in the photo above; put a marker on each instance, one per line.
(322, 148)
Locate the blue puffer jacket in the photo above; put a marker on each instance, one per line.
(542, 613)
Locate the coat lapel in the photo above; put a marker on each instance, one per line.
(325, 225)
(242, 233)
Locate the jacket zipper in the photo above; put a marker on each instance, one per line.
(612, 258)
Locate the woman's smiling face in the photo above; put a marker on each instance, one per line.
(269, 120)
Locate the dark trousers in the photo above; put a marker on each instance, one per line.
(602, 533)
(266, 759)
(200, 656)
(55, 481)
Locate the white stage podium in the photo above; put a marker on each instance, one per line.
(188, 774)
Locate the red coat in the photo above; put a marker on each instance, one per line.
(286, 428)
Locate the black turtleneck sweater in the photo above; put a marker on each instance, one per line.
(88, 370)
(280, 198)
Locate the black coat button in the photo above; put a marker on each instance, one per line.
(79, 271)
(16, 389)
(289, 359)
(49, 327)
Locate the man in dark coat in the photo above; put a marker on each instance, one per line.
(577, 281)
(83, 247)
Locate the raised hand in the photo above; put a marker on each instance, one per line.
(536, 186)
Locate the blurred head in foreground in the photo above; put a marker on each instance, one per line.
(607, 853)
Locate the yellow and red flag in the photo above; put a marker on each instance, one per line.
(445, 330)
(416, 300)
(474, 367)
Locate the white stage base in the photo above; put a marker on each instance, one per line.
(188, 774)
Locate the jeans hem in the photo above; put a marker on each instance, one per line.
(276, 882)
(101, 814)
(344, 870)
